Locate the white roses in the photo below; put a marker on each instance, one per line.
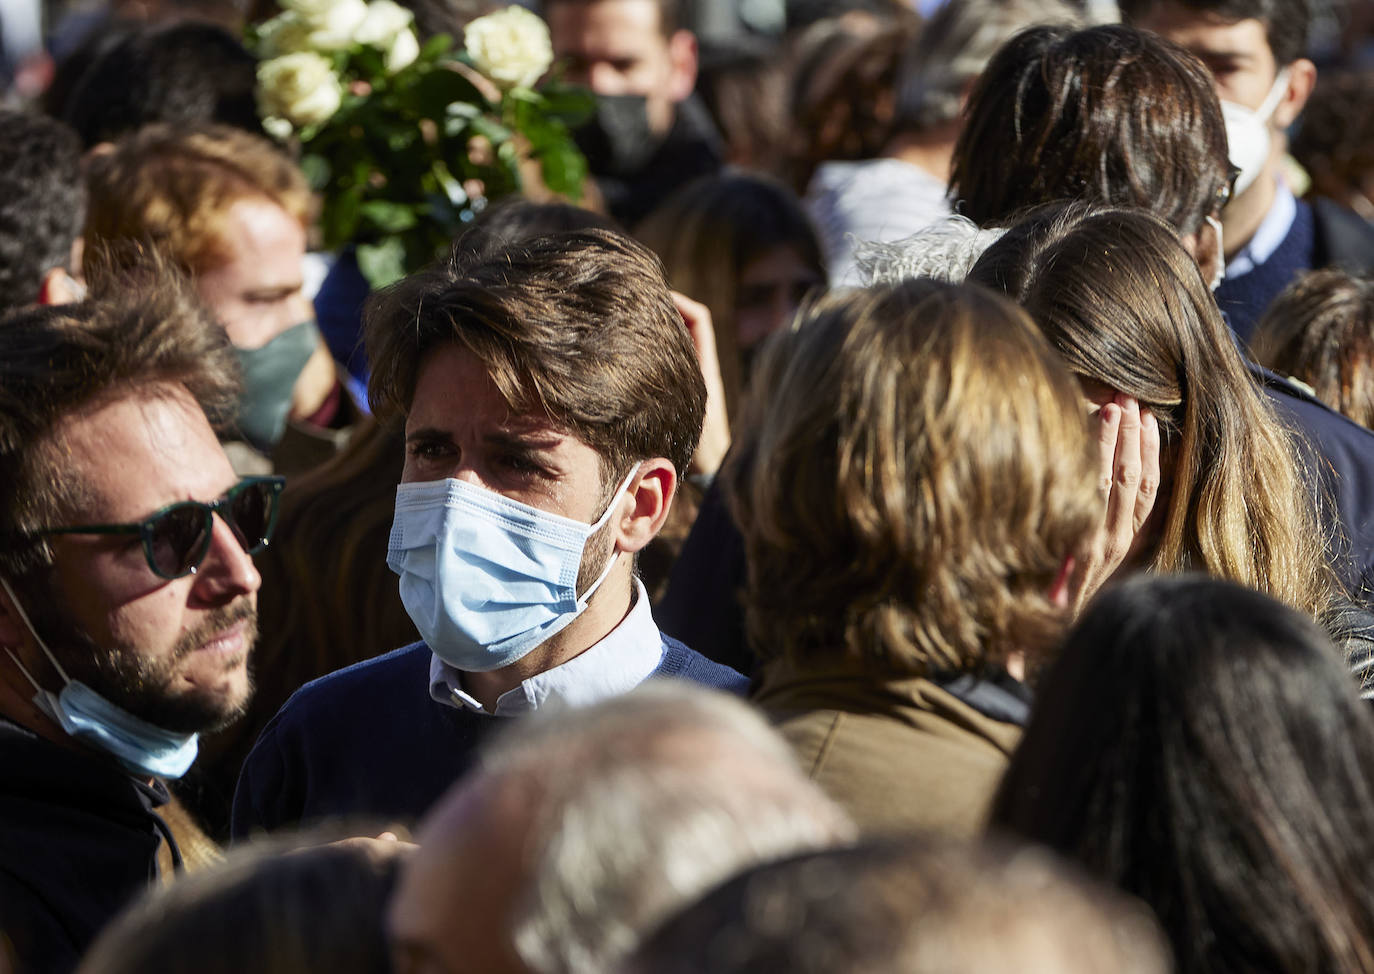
(301, 88)
(511, 47)
(386, 27)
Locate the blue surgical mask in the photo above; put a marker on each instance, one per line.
(484, 578)
(142, 748)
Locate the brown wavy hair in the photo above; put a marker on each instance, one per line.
(913, 484)
(1320, 330)
(1115, 292)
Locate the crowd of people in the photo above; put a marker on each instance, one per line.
(912, 512)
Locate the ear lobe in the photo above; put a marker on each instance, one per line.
(1060, 592)
(683, 56)
(58, 288)
(652, 494)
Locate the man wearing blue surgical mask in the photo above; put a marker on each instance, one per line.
(1256, 51)
(551, 397)
(127, 600)
(230, 209)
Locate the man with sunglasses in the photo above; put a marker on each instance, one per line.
(550, 396)
(127, 599)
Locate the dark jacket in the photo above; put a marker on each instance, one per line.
(1323, 234)
(78, 840)
(370, 741)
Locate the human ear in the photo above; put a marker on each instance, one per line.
(682, 60)
(58, 287)
(651, 497)
(1302, 78)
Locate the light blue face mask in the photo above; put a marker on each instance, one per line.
(142, 748)
(484, 578)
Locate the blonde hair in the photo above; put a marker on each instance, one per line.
(1123, 302)
(173, 188)
(913, 484)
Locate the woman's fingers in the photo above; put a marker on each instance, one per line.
(1149, 467)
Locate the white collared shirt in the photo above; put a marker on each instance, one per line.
(1272, 231)
(617, 663)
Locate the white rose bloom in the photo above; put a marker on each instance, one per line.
(384, 21)
(284, 34)
(403, 52)
(331, 22)
(300, 87)
(511, 47)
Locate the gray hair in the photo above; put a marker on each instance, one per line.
(643, 803)
(945, 250)
(954, 47)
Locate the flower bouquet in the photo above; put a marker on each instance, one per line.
(406, 144)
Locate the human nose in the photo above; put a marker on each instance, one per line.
(604, 79)
(228, 570)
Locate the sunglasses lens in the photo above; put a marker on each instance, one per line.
(179, 538)
(250, 513)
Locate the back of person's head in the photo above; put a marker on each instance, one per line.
(60, 359)
(925, 437)
(1320, 331)
(1287, 23)
(270, 909)
(173, 188)
(954, 47)
(914, 906)
(183, 74)
(741, 244)
(1125, 305)
(1335, 143)
(579, 327)
(42, 203)
(1202, 746)
(1106, 114)
(628, 810)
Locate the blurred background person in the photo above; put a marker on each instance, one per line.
(1320, 331)
(42, 209)
(910, 906)
(590, 826)
(272, 907)
(903, 187)
(1199, 745)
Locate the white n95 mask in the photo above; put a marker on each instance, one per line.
(1247, 133)
(484, 578)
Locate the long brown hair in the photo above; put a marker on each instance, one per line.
(1125, 305)
(914, 481)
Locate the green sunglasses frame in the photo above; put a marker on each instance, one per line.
(223, 506)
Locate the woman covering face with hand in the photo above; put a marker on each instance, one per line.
(1177, 413)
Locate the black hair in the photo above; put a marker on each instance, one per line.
(42, 202)
(1202, 747)
(182, 73)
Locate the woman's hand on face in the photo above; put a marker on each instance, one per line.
(1128, 465)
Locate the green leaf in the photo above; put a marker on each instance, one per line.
(388, 217)
(382, 263)
(317, 170)
(437, 89)
(436, 47)
(340, 217)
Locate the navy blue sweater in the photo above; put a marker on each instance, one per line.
(369, 741)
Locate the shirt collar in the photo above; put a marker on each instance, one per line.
(1272, 231)
(620, 661)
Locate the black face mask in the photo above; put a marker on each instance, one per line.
(616, 140)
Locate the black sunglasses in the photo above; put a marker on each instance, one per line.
(176, 538)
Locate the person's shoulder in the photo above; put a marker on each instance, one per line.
(1344, 238)
(367, 684)
(684, 663)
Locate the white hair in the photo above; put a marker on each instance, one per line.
(946, 250)
(643, 803)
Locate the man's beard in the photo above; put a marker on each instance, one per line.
(143, 686)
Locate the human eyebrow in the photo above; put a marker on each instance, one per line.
(429, 436)
(274, 293)
(512, 439)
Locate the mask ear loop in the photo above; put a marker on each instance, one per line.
(24, 617)
(586, 596)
